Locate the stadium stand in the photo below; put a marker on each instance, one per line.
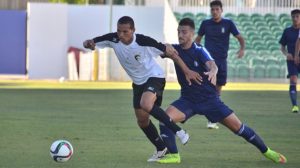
(263, 57)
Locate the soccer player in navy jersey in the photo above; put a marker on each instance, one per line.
(136, 54)
(203, 99)
(288, 39)
(297, 50)
(217, 31)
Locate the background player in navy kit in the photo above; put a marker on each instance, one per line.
(289, 38)
(217, 32)
(136, 54)
(297, 50)
(203, 99)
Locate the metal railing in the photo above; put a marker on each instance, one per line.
(236, 6)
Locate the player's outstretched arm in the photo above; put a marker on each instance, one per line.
(189, 74)
(89, 44)
(212, 71)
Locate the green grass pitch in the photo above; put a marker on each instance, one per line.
(102, 128)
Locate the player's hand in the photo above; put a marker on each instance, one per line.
(289, 57)
(170, 50)
(297, 60)
(240, 53)
(193, 76)
(212, 77)
(89, 44)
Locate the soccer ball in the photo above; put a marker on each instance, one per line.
(61, 150)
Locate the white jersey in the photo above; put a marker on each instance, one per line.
(137, 58)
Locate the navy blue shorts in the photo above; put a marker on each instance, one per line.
(213, 109)
(293, 69)
(222, 72)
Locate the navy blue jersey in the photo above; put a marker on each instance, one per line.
(217, 36)
(289, 38)
(195, 58)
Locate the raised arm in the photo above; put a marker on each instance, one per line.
(212, 71)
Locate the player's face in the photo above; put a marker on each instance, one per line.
(185, 35)
(216, 12)
(296, 19)
(125, 33)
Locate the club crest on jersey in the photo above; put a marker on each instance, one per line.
(137, 57)
(223, 29)
(196, 64)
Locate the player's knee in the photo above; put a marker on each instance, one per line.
(293, 79)
(143, 123)
(146, 106)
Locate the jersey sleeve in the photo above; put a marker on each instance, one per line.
(154, 47)
(233, 29)
(299, 34)
(283, 40)
(205, 55)
(201, 30)
(106, 40)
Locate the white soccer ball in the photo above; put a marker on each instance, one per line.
(61, 150)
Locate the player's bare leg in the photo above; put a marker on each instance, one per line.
(149, 129)
(211, 125)
(148, 104)
(169, 137)
(235, 125)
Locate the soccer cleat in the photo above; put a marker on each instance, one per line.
(295, 109)
(170, 158)
(183, 136)
(211, 125)
(275, 156)
(157, 155)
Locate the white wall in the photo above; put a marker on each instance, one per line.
(85, 22)
(52, 28)
(47, 40)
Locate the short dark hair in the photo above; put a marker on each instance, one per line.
(295, 11)
(187, 22)
(126, 20)
(216, 3)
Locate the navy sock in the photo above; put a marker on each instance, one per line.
(152, 135)
(168, 137)
(249, 135)
(293, 94)
(160, 115)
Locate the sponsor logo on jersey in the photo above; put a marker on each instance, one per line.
(137, 57)
(196, 64)
(223, 30)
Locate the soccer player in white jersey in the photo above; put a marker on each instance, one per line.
(136, 54)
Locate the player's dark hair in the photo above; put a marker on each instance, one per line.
(295, 11)
(216, 3)
(187, 22)
(126, 20)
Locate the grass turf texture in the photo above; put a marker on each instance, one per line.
(101, 126)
